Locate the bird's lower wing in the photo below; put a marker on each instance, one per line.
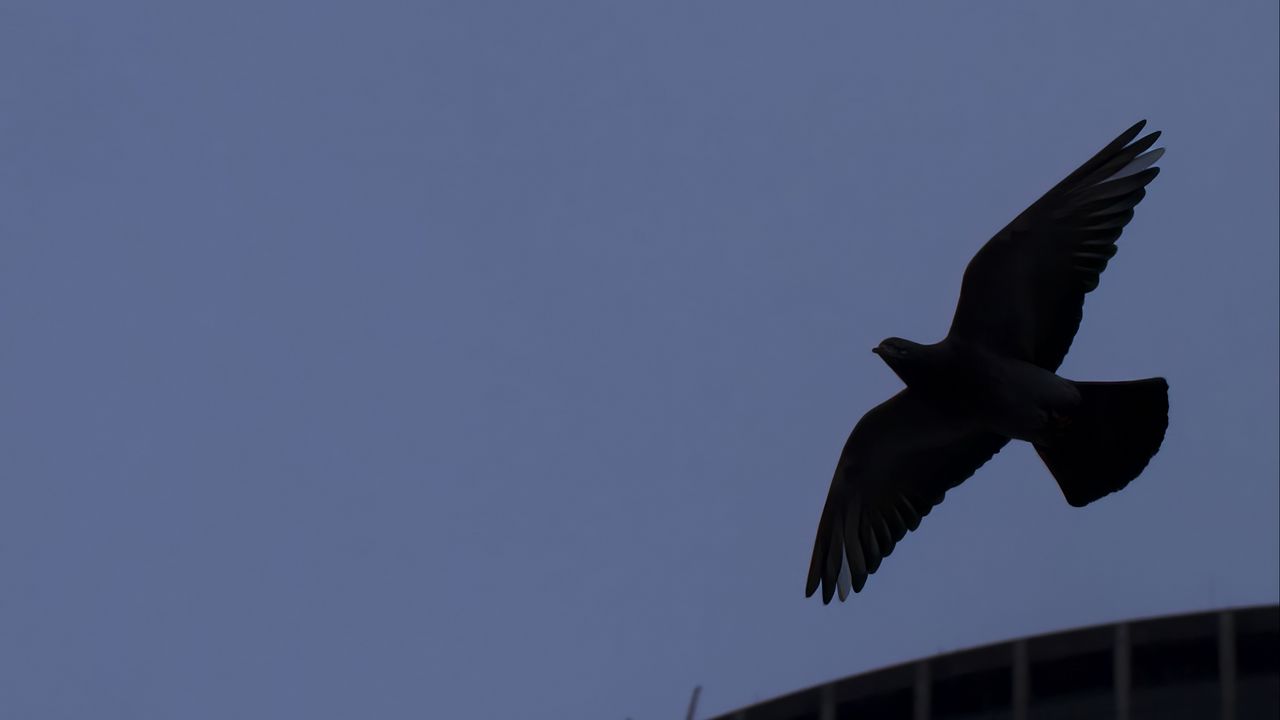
(898, 463)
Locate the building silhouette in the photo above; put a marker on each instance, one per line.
(1218, 664)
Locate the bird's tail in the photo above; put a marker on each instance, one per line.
(1109, 439)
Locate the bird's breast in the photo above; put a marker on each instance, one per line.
(1008, 396)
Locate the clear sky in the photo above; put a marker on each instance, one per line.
(479, 360)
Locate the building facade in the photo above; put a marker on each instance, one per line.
(1219, 664)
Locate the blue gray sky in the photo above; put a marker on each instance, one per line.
(481, 359)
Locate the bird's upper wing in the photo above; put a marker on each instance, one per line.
(1023, 292)
(898, 463)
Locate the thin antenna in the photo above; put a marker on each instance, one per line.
(693, 702)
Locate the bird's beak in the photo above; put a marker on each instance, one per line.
(875, 350)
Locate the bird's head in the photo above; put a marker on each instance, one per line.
(893, 348)
(901, 355)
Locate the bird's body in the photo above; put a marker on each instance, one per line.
(997, 393)
(993, 378)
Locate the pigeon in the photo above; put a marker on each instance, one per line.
(993, 378)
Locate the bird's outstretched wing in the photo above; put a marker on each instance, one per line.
(1023, 293)
(898, 463)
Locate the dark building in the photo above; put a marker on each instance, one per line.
(1220, 664)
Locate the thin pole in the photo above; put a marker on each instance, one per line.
(693, 703)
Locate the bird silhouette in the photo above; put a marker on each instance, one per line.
(993, 379)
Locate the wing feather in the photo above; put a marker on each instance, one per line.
(898, 463)
(1023, 292)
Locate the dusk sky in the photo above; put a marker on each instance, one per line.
(491, 360)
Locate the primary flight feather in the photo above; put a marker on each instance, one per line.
(992, 378)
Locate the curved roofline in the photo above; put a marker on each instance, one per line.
(978, 649)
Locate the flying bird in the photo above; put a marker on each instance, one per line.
(993, 378)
